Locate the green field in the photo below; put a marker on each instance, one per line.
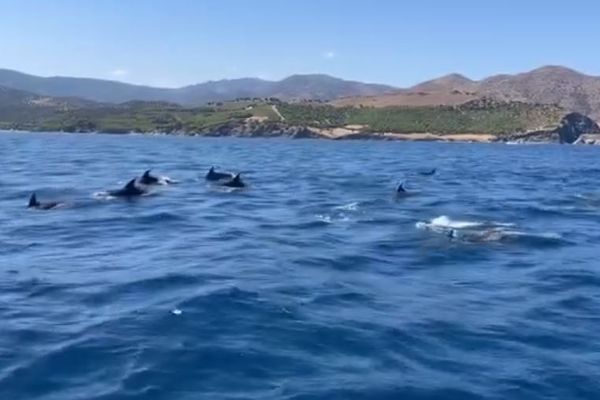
(492, 118)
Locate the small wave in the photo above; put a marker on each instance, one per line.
(331, 219)
(226, 189)
(324, 218)
(15, 247)
(165, 180)
(591, 200)
(341, 213)
(503, 224)
(108, 197)
(348, 207)
(157, 218)
(444, 222)
(103, 196)
(535, 239)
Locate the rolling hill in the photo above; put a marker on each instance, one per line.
(315, 87)
(565, 87)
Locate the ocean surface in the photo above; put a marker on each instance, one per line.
(315, 282)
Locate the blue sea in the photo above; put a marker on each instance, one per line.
(314, 282)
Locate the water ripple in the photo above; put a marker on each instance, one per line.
(316, 282)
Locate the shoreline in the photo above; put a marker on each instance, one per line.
(367, 136)
(339, 134)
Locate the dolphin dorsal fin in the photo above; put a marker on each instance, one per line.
(33, 200)
(147, 173)
(237, 177)
(131, 184)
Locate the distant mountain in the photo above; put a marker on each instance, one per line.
(323, 87)
(447, 82)
(565, 87)
(18, 106)
(14, 98)
(11, 97)
(315, 87)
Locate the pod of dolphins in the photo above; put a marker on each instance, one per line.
(139, 186)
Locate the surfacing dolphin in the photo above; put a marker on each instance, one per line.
(129, 190)
(148, 179)
(236, 182)
(485, 235)
(34, 203)
(213, 175)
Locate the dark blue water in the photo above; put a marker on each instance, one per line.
(314, 283)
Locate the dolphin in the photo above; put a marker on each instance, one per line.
(236, 182)
(218, 176)
(149, 179)
(400, 189)
(129, 190)
(428, 173)
(34, 203)
(486, 235)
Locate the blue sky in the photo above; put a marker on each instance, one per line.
(176, 42)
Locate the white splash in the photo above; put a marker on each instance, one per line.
(348, 207)
(324, 218)
(445, 222)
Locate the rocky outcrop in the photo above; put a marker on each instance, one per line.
(261, 129)
(573, 125)
(570, 129)
(591, 139)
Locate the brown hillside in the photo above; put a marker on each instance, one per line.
(410, 98)
(570, 89)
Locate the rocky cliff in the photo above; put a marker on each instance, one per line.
(571, 128)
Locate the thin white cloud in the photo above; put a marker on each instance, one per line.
(119, 72)
(329, 54)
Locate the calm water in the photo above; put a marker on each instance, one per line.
(314, 283)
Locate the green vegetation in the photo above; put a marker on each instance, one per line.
(133, 117)
(319, 116)
(481, 116)
(476, 117)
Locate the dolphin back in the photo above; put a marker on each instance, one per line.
(33, 201)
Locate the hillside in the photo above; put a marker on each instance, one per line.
(446, 83)
(497, 108)
(315, 87)
(565, 87)
(258, 117)
(478, 116)
(19, 106)
(568, 88)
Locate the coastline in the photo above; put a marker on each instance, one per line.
(337, 134)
